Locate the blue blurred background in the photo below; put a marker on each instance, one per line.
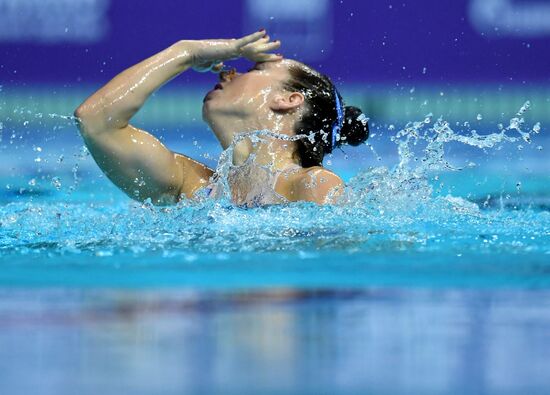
(473, 62)
(396, 60)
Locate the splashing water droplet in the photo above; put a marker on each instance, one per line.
(83, 153)
(428, 118)
(524, 108)
(56, 182)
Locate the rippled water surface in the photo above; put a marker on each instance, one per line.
(428, 203)
(430, 276)
(285, 341)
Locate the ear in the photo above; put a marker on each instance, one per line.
(287, 102)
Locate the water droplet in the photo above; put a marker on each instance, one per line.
(428, 118)
(139, 182)
(56, 182)
(524, 108)
(83, 152)
(479, 117)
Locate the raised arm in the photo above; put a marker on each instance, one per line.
(133, 159)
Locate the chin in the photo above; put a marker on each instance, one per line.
(212, 107)
(207, 109)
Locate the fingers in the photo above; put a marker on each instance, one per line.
(251, 38)
(254, 47)
(266, 57)
(267, 47)
(256, 50)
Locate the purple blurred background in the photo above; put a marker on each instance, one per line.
(74, 41)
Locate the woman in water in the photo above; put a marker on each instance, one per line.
(279, 95)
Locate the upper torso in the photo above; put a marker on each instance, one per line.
(253, 185)
(270, 186)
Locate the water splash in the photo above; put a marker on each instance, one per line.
(386, 209)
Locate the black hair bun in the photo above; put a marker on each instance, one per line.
(355, 129)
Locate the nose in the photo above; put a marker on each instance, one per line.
(228, 75)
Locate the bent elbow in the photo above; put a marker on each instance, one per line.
(78, 113)
(86, 121)
(81, 120)
(81, 113)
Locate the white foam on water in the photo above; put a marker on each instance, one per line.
(384, 209)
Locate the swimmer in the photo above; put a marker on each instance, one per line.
(279, 95)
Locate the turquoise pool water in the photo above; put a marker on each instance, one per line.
(432, 278)
(294, 342)
(423, 203)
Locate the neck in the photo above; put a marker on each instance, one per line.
(269, 150)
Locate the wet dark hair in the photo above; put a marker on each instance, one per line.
(321, 116)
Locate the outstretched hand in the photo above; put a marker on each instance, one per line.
(209, 55)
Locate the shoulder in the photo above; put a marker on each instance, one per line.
(317, 184)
